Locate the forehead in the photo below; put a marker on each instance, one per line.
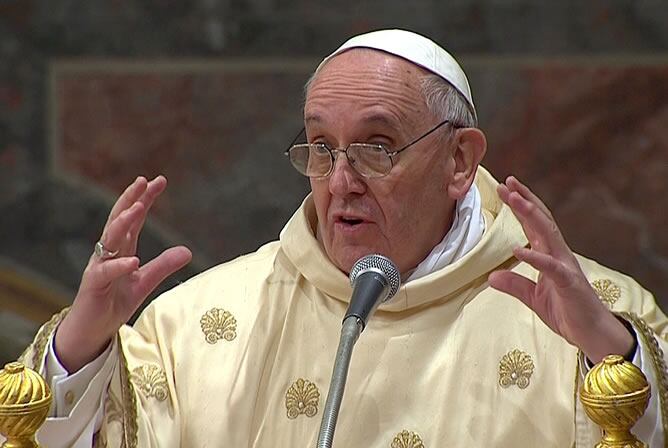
(367, 81)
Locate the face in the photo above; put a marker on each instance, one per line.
(367, 96)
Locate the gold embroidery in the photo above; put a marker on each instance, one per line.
(113, 412)
(576, 393)
(406, 439)
(33, 356)
(515, 367)
(129, 400)
(302, 398)
(659, 361)
(218, 324)
(607, 291)
(151, 381)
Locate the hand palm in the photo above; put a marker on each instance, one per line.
(113, 288)
(561, 295)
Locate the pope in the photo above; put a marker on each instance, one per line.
(485, 344)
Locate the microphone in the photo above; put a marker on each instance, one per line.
(375, 279)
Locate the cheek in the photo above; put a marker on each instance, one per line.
(396, 202)
(321, 198)
(412, 200)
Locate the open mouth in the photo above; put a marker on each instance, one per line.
(350, 221)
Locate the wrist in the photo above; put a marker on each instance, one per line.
(72, 346)
(631, 353)
(611, 337)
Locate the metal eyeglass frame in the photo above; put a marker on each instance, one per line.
(390, 154)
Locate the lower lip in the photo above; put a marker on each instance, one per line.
(350, 229)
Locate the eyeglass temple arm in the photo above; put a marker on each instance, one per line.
(394, 153)
(294, 140)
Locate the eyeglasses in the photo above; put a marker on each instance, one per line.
(368, 159)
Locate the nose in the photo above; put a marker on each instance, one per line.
(344, 179)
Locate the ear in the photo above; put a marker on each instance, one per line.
(470, 146)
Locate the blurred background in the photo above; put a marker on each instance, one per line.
(573, 97)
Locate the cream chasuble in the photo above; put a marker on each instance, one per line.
(242, 354)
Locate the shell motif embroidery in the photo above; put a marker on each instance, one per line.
(302, 398)
(151, 381)
(515, 368)
(608, 291)
(218, 324)
(407, 439)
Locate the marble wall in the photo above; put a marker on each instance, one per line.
(573, 98)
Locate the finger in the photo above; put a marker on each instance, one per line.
(114, 236)
(515, 285)
(503, 192)
(154, 272)
(541, 229)
(545, 264)
(515, 185)
(153, 190)
(100, 275)
(512, 184)
(127, 198)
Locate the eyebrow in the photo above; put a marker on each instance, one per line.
(312, 118)
(373, 118)
(381, 119)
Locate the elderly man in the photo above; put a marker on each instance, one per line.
(241, 355)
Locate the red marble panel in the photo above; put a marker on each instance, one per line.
(590, 139)
(219, 138)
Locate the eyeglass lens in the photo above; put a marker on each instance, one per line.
(316, 160)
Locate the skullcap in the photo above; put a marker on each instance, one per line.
(414, 48)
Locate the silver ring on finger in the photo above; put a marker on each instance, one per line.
(103, 253)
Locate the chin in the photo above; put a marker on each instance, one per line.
(345, 263)
(345, 258)
(344, 251)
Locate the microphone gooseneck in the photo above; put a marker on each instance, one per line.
(375, 279)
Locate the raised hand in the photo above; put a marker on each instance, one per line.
(113, 285)
(561, 296)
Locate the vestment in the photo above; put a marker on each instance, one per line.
(241, 355)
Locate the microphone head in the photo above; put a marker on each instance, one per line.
(382, 265)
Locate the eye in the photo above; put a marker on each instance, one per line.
(383, 140)
(320, 140)
(320, 149)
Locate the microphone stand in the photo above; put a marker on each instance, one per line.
(374, 279)
(350, 331)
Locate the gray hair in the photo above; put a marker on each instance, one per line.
(442, 99)
(446, 103)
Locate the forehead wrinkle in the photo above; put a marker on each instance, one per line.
(372, 117)
(390, 83)
(392, 111)
(388, 116)
(385, 93)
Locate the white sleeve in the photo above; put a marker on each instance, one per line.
(649, 428)
(78, 400)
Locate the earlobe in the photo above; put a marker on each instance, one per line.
(470, 148)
